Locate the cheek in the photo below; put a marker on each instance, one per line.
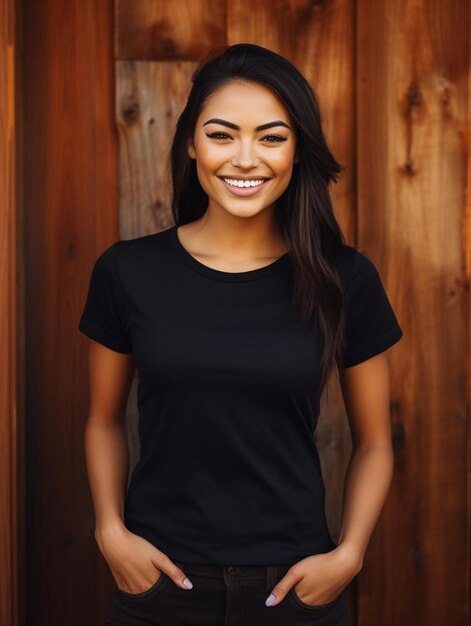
(209, 153)
(209, 161)
(204, 178)
(206, 168)
(282, 161)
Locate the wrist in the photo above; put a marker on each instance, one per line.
(351, 555)
(110, 527)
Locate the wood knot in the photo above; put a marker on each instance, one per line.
(414, 96)
(169, 49)
(131, 111)
(409, 168)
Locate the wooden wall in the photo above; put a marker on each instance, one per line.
(103, 82)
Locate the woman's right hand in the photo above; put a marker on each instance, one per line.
(135, 563)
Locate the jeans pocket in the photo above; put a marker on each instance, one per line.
(314, 607)
(141, 595)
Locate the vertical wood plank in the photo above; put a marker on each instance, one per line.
(11, 317)
(149, 98)
(70, 216)
(412, 115)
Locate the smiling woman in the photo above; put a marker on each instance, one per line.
(235, 317)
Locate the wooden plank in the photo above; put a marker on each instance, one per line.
(412, 114)
(70, 216)
(11, 325)
(149, 98)
(180, 29)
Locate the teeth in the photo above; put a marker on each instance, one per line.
(243, 183)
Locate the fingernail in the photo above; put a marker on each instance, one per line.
(188, 583)
(269, 601)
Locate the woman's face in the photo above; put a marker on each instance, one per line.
(229, 150)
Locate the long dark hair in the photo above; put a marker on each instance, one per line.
(304, 211)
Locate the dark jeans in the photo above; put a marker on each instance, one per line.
(229, 595)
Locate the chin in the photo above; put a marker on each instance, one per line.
(247, 213)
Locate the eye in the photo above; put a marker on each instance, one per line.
(218, 135)
(276, 138)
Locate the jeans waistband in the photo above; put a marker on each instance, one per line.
(252, 572)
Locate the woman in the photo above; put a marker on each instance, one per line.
(235, 318)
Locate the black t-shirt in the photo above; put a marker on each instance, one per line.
(228, 396)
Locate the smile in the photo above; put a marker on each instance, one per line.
(243, 183)
(240, 187)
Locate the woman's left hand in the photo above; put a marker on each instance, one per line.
(319, 578)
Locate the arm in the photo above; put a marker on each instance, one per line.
(106, 450)
(366, 393)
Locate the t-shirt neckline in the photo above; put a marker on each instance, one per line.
(210, 272)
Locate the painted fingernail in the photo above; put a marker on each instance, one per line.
(269, 601)
(188, 583)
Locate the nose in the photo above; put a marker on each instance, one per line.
(245, 155)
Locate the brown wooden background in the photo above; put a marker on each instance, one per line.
(94, 86)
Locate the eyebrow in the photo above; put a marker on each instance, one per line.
(216, 120)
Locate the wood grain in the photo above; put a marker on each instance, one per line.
(11, 326)
(180, 30)
(149, 98)
(71, 214)
(412, 154)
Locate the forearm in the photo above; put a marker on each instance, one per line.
(107, 459)
(367, 484)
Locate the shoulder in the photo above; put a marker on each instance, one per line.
(145, 249)
(143, 243)
(126, 256)
(353, 264)
(136, 261)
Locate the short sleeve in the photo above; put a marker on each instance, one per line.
(371, 324)
(104, 314)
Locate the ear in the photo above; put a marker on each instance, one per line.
(191, 150)
(297, 158)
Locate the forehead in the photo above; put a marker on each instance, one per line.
(244, 103)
